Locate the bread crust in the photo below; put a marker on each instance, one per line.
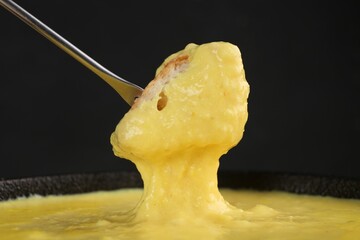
(170, 70)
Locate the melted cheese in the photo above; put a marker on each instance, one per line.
(176, 147)
(105, 216)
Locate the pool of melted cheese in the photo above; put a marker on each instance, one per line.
(191, 114)
(105, 216)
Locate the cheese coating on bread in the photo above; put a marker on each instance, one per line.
(197, 99)
(193, 112)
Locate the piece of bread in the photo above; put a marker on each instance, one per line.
(197, 100)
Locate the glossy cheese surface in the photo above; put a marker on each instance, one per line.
(104, 215)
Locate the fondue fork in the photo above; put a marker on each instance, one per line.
(127, 90)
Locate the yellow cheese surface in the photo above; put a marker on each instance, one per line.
(105, 216)
(175, 134)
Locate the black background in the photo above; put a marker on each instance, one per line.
(301, 60)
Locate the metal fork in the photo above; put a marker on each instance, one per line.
(127, 90)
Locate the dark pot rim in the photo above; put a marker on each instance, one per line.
(106, 181)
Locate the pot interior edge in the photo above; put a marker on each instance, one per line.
(82, 183)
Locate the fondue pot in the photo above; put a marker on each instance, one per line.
(89, 182)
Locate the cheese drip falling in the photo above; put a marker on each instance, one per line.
(191, 114)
